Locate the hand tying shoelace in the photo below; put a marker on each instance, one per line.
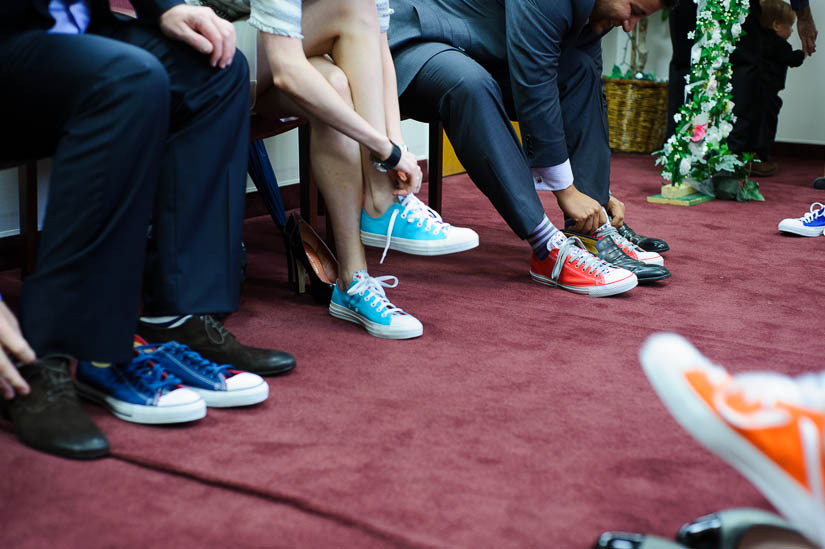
(572, 251)
(372, 290)
(415, 211)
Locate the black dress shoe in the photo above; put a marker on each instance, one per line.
(213, 342)
(626, 540)
(604, 247)
(725, 530)
(50, 418)
(647, 243)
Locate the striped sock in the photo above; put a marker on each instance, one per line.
(165, 321)
(540, 236)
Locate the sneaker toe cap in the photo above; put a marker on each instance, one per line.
(244, 380)
(179, 397)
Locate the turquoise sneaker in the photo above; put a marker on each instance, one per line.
(365, 303)
(412, 227)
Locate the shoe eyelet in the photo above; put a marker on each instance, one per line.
(403, 216)
(419, 225)
(373, 304)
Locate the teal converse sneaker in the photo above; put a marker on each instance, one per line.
(365, 303)
(412, 227)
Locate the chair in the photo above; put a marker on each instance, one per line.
(27, 200)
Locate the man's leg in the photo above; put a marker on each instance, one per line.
(200, 203)
(585, 120)
(464, 96)
(100, 108)
(468, 100)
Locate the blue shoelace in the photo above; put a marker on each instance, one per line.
(148, 375)
(188, 357)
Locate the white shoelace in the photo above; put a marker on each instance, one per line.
(415, 211)
(612, 232)
(768, 390)
(372, 290)
(573, 251)
(817, 210)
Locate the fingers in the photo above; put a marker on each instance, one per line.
(208, 27)
(10, 379)
(229, 42)
(12, 339)
(186, 34)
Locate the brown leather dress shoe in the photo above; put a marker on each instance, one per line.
(209, 338)
(50, 418)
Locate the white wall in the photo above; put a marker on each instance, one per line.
(802, 119)
(282, 151)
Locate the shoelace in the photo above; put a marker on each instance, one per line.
(767, 391)
(573, 251)
(611, 232)
(372, 290)
(817, 210)
(188, 357)
(57, 381)
(415, 210)
(224, 334)
(148, 375)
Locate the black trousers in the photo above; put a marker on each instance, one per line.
(746, 62)
(141, 130)
(682, 19)
(475, 105)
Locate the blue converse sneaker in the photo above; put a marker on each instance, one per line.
(810, 224)
(220, 386)
(141, 391)
(412, 227)
(365, 303)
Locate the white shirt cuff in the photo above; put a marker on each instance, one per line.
(553, 178)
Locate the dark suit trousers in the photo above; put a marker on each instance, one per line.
(746, 61)
(476, 107)
(141, 130)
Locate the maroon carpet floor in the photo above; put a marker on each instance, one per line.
(520, 419)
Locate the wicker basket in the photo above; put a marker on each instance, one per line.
(636, 114)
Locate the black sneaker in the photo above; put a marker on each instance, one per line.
(603, 246)
(647, 243)
(50, 418)
(212, 341)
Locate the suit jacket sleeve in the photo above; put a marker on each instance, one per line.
(152, 9)
(535, 30)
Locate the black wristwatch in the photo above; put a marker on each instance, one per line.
(389, 163)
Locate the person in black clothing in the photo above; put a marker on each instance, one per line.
(776, 26)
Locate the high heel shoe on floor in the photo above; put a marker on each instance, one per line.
(741, 529)
(307, 254)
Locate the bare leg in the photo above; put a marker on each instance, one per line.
(347, 30)
(336, 167)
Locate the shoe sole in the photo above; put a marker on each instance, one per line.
(230, 399)
(618, 287)
(654, 278)
(374, 329)
(801, 231)
(691, 412)
(418, 247)
(138, 413)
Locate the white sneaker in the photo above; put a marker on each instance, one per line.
(810, 224)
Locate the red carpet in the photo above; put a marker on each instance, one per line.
(521, 418)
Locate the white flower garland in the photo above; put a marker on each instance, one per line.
(698, 149)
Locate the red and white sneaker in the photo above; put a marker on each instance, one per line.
(767, 426)
(573, 268)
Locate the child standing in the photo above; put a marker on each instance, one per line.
(776, 23)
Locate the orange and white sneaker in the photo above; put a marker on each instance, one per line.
(767, 426)
(573, 268)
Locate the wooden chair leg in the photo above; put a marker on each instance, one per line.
(309, 191)
(434, 166)
(27, 195)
